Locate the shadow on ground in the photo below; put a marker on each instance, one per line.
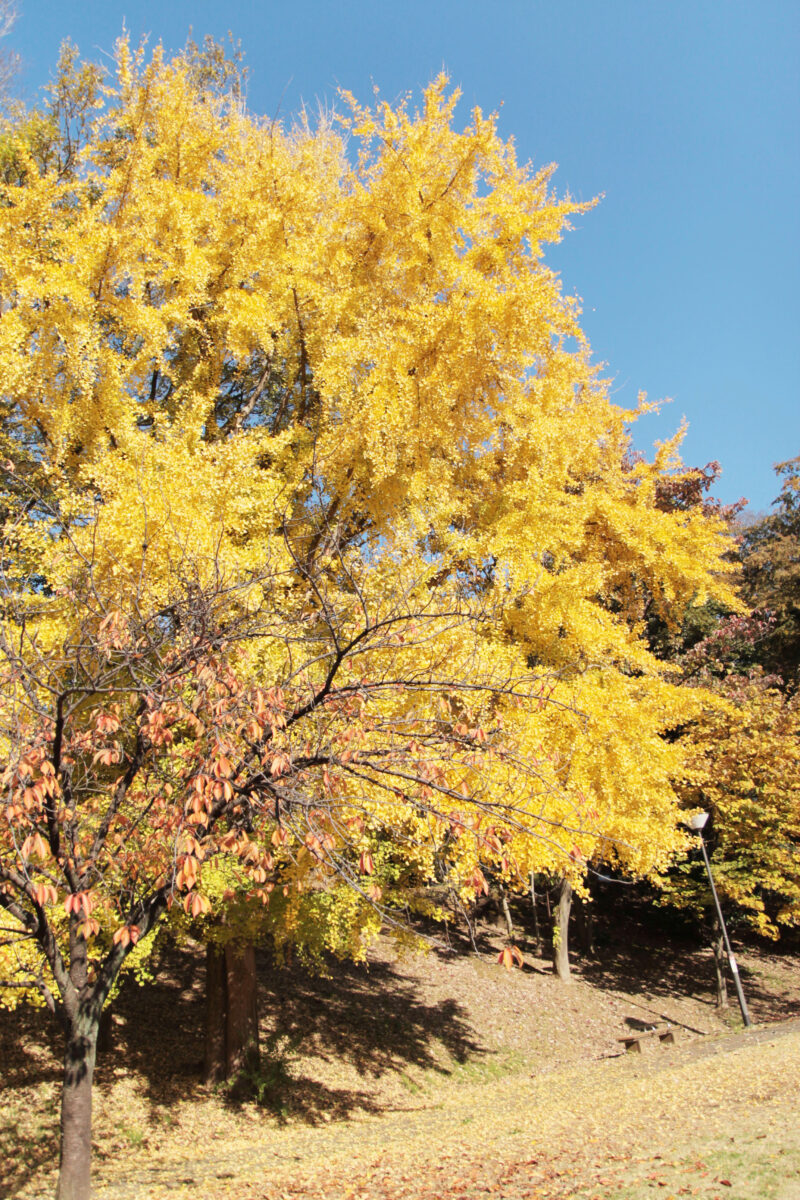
(643, 963)
(369, 1014)
(371, 1017)
(376, 1019)
(641, 948)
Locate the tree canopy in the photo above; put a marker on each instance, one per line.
(743, 748)
(321, 531)
(770, 551)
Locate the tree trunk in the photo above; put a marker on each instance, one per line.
(506, 912)
(74, 1177)
(584, 925)
(720, 961)
(231, 1013)
(241, 1028)
(535, 912)
(561, 932)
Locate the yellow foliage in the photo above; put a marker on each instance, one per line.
(744, 768)
(231, 348)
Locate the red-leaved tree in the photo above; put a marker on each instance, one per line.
(136, 749)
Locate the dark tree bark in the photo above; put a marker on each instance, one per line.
(231, 1013)
(584, 926)
(561, 932)
(535, 907)
(82, 1011)
(720, 962)
(74, 1179)
(105, 1032)
(241, 1030)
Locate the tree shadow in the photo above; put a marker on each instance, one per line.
(766, 1002)
(641, 963)
(31, 1067)
(31, 1047)
(369, 1015)
(656, 953)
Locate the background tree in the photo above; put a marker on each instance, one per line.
(746, 755)
(770, 551)
(743, 746)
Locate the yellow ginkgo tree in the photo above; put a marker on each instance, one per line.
(323, 555)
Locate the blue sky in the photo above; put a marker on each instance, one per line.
(684, 114)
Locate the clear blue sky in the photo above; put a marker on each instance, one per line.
(684, 113)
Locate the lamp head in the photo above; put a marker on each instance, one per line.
(697, 823)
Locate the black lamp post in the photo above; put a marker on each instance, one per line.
(697, 824)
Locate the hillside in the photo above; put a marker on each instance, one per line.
(440, 1074)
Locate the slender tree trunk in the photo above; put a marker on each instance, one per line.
(468, 921)
(231, 1013)
(535, 907)
(74, 1178)
(506, 912)
(720, 961)
(584, 925)
(561, 932)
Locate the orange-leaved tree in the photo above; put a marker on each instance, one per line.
(744, 769)
(743, 748)
(139, 752)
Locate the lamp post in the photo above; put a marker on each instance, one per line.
(697, 824)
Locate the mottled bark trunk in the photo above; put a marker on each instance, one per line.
(561, 932)
(241, 1031)
(74, 1177)
(231, 1013)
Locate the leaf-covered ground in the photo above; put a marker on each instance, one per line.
(438, 1076)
